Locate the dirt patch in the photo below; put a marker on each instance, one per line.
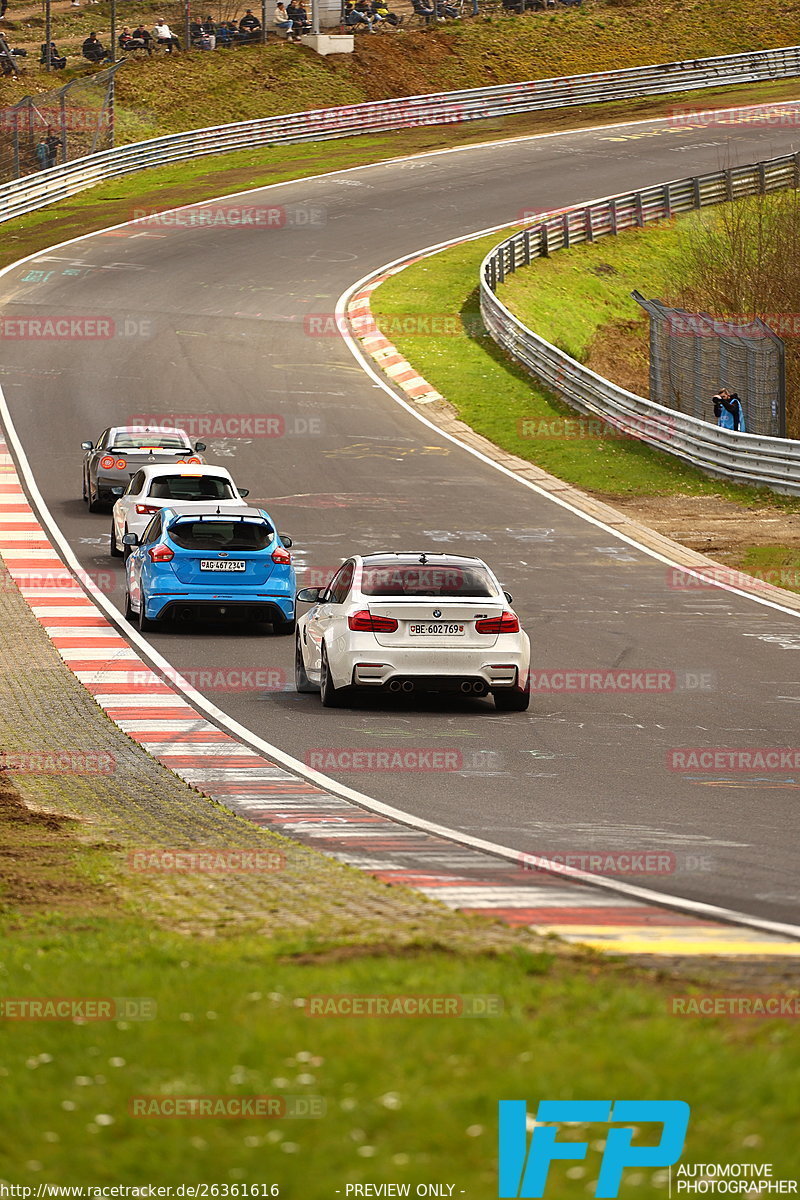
(37, 862)
(620, 350)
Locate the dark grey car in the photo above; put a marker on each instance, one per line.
(120, 451)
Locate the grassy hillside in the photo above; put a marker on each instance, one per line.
(166, 94)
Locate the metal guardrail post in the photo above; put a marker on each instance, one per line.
(638, 209)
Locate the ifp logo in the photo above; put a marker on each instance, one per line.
(523, 1170)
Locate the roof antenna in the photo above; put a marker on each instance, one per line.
(423, 558)
(219, 514)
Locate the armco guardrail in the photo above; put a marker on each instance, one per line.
(34, 192)
(744, 457)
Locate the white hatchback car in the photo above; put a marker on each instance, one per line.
(156, 487)
(406, 622)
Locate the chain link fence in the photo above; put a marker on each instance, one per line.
(693, 355)
(56, 127)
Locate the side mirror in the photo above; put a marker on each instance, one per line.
(199, 446)
(508, 596)
(130, 539)
(118, 491)
(87, 445)
(287, 541)
(243, 491)
(309, 595)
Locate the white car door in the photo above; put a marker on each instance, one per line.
(325, 612)
(122, 507)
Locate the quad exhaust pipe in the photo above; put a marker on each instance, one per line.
(401, 685)
(478, 688)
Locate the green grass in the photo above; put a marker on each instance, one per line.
(569, 297)
(408, 1099)
(504, 404)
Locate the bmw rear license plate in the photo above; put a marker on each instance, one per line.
(222, 564)
(436, 629)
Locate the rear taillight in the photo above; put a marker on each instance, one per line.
(161, 553)
(281, 555)
(366, 622)
(120, 464)
(107, 462)
(145, 510)
(508, 623)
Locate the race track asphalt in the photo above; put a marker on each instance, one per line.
(212, 322)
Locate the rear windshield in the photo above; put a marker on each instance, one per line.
(135, 441)
(194, 534)
(434, 579)
(191, 487)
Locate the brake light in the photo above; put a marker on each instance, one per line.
(281, 555)
(161, 553)
(106, 462)
(145, 510)
(120, 464)
(194, 459)
(366, 622)
(507, 623)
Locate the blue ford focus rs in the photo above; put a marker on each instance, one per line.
(197, 561)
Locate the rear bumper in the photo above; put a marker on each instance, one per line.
(243, 608)
(427, 670)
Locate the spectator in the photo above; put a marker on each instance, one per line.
(353, 17)
(164, 36)
(728, 411)
(379, 9)
(365, 8)
(445, 11)
(209, 30)
(142, 34)
(423, 8)
(200, 39)
(250, 26)
(43, 154)
(57, 61)
(298, 15)
(94, 50)
(224, 35)
(282, 20)
(53, 144)
(3, 7)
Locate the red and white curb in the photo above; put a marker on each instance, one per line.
(379, 348)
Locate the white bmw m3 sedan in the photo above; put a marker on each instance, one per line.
(412, 622)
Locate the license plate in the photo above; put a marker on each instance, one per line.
(223, 564)
(436, 629)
